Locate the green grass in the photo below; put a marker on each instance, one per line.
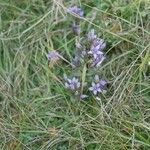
(37, 113)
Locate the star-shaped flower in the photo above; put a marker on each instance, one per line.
(72, 84)
(97, 87)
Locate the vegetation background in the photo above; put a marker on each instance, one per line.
(38, 113)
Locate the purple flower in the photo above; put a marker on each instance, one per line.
(91, 35)
(53, 55)
(97, 86)
(96, 51)
(76, 10)
(98, 60)
(72, 84)
(75, 28)
(97, 46)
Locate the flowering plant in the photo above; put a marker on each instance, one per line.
(88, 55)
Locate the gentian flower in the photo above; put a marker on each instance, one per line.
(72, 84)
(95, 52)
(76, 10)
(98, 60)
(97, 86)
(96, 47)
(53, 55)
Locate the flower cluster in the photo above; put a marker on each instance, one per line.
(76, 10)
(75, 28)
(97, 86)
(88, 53)
(96, 47)
(72, 84)
(91, 49)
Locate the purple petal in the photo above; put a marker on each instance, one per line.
(52, 55)
(91, 88)
(99, 52)
(70, 81)
(95, 92)
(99, 61)
(72, 87)
(102, 82)
(90, 52)
(95, 56)
(66, 85)
(82, 96)
(99, 89)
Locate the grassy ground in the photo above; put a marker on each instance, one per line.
(38, 113)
